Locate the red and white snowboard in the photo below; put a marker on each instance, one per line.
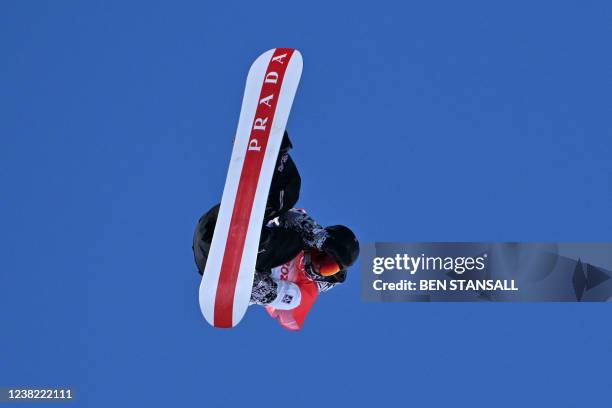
(226, 284)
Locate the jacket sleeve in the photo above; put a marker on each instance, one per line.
(313, 235)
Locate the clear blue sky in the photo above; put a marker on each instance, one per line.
(440, 120)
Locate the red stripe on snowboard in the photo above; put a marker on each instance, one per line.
(245, 195)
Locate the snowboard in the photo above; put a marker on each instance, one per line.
(225, 289)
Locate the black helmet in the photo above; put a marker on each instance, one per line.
(342, 244)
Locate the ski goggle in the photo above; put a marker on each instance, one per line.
(323, 264)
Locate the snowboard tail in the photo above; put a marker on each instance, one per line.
(227, 280)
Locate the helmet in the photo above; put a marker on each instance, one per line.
(342, 245)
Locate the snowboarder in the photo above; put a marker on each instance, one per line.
(297, 258)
